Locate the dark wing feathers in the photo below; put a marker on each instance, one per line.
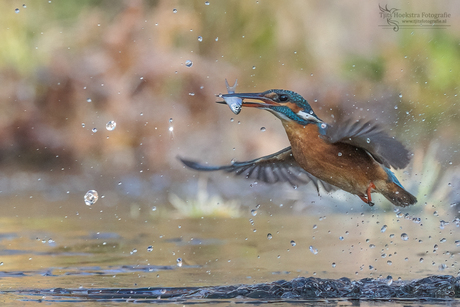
(282, 167)
(370, 137)
(277, 167)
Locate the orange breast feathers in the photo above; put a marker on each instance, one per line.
(345, 166)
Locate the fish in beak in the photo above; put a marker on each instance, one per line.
(234, 103)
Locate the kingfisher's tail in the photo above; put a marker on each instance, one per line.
(398, 196)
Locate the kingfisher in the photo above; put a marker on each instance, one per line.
(354, 155)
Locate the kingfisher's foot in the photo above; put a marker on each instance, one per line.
(369, 190)
(364, 199)
(368, 200)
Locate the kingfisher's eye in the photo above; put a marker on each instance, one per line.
(284, 97)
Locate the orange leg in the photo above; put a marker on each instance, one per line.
(363, 198)
(368, 192)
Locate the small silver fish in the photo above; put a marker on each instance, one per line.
(234, 103)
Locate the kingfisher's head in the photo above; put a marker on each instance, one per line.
(286, 105)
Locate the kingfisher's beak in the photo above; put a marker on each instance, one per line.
(254, 96)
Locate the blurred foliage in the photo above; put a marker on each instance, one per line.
(362, 68)
(204, 205)
(127, 58)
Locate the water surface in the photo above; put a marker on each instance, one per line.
(51, 246)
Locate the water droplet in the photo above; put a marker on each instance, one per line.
(251, 221)
(341, 238)
(404, 236)
(133, 251)
(200, 39)
(254, 212)
(150, 248)
(389, 280)
(313, 250)
(293, 243)
(421, 260)
(389, 262)
(442, 224)
(188, 63)
(206, 3)
(400, 95)
(253, 67)
(368, 140)
(383, 229)
(339, 154)
(91, 197)
(88, 100)
(16, 10)
(154, 208)
(179, 262)
(24, 6)
(110, 125)
(263, 129)
(171, 129)
(269, 236)
(174, 11)
(333, 264)
(83, 125)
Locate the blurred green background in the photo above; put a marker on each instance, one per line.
(69, 67)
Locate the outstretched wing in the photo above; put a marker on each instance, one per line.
(370, 137)
(278, 167)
